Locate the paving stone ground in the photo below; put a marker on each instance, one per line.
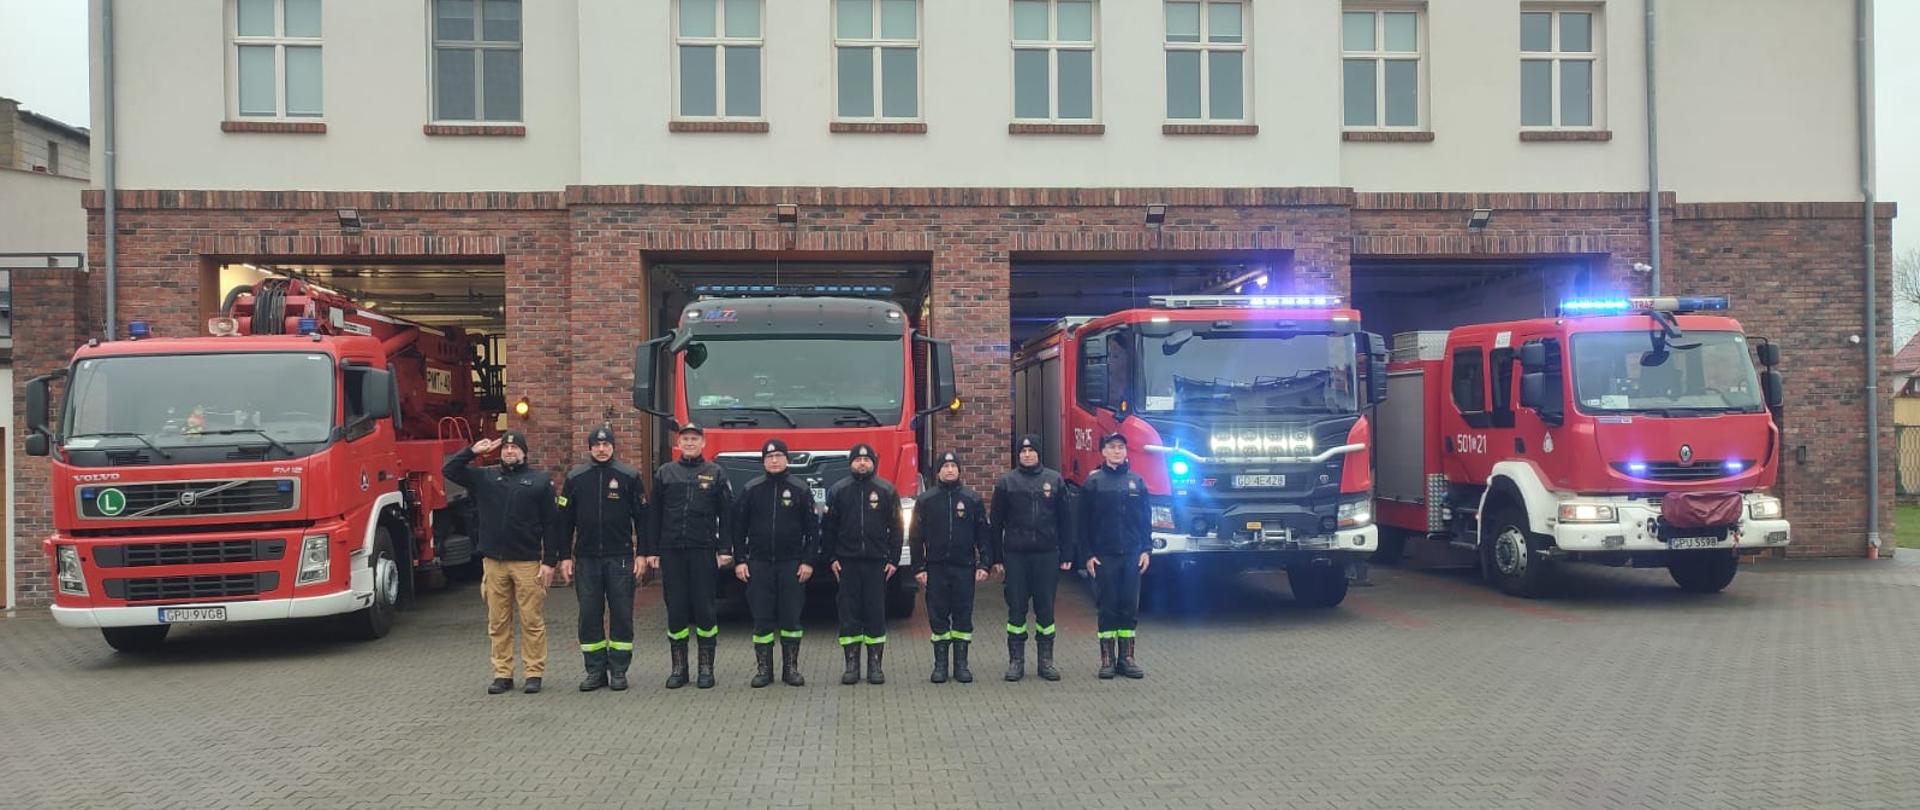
(1792, 689)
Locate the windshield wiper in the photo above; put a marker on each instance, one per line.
(261, 433)
(135, 436)
(862, 411)
(780, 412)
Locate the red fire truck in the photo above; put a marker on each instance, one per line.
(1628, 431)
(285, 466)
(1246, 416)
(823, 367)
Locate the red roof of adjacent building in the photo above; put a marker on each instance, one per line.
(1907, 361)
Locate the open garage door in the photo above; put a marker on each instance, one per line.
(1409, 295)
(674, 283)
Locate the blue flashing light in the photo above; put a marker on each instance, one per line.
(1181, 468)
(89, 493)
(1735, 466)
(1592, 306)
(284, 486)
(1618, 305)
(308, 326)
(138, 330)
(1636, 467)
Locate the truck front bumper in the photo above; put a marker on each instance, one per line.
(252, 611)
(1362, 540)
(1635, 529)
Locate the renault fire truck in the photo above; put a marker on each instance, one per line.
(286, 465)
(823, 367)
(1246, 418)
(1627, 431)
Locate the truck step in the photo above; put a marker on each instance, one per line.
(455, 549)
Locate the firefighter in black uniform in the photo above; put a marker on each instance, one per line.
(859, 541)
(603, 507)
(690, 498)
(775, 539)
(951, 553)
(1116, 548)
(1033, 543)
(518, 548)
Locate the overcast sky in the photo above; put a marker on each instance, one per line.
(43, 63)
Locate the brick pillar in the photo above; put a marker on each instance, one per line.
(53, 313)
(970, 282)
(539, 344)
(609, 298)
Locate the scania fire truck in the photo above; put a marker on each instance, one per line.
(287, 465)
(1246, 416)
(1627, 431)
(823, 367)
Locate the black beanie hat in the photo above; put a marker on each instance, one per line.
(944, 459)
(600, 434)
(771, 447)
(515, 438)
(864, 451)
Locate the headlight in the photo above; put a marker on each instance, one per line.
(71, 580)
(1586, 513)
(1354, 514)
(1765, 508)
(1163, 517)
(316, 560)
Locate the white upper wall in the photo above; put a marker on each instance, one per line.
(1756, 104)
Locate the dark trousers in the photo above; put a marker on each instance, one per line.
(863, 602)
(605, 588)
(775, 595)
(1032, 577)
(687, 582)
(1116, 592)
(950, 601)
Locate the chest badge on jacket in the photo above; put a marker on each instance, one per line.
(960, 509)
(786, 497)
(873, 500)
(1046, 488)
(613, 489)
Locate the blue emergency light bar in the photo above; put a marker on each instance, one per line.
(745, 290)
(1245, 301)
(1624, 305)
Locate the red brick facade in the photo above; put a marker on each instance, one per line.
(576, 267)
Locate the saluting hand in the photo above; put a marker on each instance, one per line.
(485, 446)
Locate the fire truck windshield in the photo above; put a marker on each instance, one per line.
(185, 399)
(796, 382)
(1698, 373)
(1247, 373)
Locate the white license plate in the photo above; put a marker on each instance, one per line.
(1259, 481)
(190, 615)
(1695, 542)
(819, 496)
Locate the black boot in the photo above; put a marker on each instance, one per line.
(876, 652)
(1127, 667)
(1106, 659)
(617, 663)
(763, 664)
(1016, 657)
(940, 661)
(533, 685)
(678, 677)
(790, 662)
(852, 654)
(705, 674)
(499, 686)
(960, 671)
(1044, 644)
(595, 679)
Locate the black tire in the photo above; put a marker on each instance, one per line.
(1703, 571)
(1318, 586)
(376, 620)
(1509, 556)
(136, 639)
(900, 599)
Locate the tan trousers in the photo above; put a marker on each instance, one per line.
(507, 584)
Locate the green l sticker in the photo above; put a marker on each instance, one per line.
(111, 502)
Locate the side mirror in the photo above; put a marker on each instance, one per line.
(645, 360)
(940, 377)
(376, 393)
(1533, 358)
(37, 407)
(1376, 369)
(1773, 387)
(1769, 354)
(37, 445)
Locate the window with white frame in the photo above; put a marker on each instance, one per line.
(718, 46)
(274, 59)
(1560, 78)
(476, 60)
(1053, 60)
(1380, 54)
(1206, 60)
(876, 46)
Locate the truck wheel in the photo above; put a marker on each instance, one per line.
(1318, 586)
(1507, 557)
(136, 639)
(899, 601)
(377, 619)
(1703, 571)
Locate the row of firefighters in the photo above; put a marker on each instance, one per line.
(603, 533)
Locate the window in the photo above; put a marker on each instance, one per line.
(877, 59)
(1206, 60)
(717, 59)
(476, 60)
(1469, 382)
(1560, 78)
(1380, 68)
(53, 157)
(1053, 65)
(274, 59)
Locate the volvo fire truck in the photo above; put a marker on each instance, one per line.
(286, 465)
(1246, 416)
(823, 367)
(1627, 431)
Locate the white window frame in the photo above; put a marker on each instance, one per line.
(1556, 56)
(720, 41)
(1245, 46)
(874, 47)
(279, 42)
(1053, 45)
(479, 44)
(1380, 57)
